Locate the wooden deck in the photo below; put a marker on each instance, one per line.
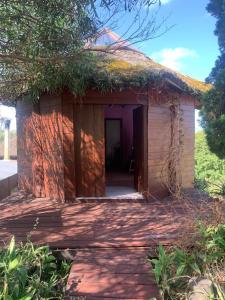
(91, 224)
(112, 274)
(112, 239)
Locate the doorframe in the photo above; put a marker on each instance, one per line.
(144, 120)
(146, 142)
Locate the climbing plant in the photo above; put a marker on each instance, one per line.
(172, 166)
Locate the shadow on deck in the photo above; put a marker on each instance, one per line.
(112, 239)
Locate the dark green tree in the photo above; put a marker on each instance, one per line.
(213, 112)
(42, 42)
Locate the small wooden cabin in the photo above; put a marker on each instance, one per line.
(71, 147)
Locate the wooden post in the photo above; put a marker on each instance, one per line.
(6, 140)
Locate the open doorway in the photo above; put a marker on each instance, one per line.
(119, 150)
(113, 144)
(111, 150)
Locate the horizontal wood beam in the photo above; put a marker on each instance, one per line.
(125, 97)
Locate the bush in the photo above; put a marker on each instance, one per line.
(174, 269)
(209, 169)
(28, 272)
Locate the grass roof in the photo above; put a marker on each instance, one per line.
(135, 68)
(111, 69)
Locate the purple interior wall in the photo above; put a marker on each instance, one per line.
(125, 113)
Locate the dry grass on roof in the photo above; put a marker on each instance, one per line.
(128, 63)
(195, 84)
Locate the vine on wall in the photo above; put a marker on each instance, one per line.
(173, 180)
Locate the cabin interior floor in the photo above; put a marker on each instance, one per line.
(122, 192)
(120, 178)
(121, 185)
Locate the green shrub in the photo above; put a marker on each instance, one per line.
(174, 269)
(209, 169)
(28, 272)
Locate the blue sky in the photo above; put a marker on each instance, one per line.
(189, 47)
(191, 44)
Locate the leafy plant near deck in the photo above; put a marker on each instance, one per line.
(174, 268)
(28, 272)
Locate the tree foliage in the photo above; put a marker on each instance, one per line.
(42, 42)
(213, 111)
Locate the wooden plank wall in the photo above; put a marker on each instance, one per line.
(24, 115)
(52, 146)
(188, 153)
(159, 138)
(130, 96)
(89, 150)
(61, 148)
(45, 153)
(57, 133)
(37, 153)
(68, 123)
(158, 145)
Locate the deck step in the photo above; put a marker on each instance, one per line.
(111, 274)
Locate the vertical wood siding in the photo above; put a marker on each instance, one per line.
(52, 146)
(24, 113)
(158, 146)
(188, 155)
(68, 146)
(61, 149)
(159, 138)
(37, 153)
(90, 150)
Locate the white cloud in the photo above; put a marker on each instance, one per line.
(197, 121)
(156, 5)
(165, 1)
(173, 57)
(9, 112)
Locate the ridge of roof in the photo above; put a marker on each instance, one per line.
(108, 38)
